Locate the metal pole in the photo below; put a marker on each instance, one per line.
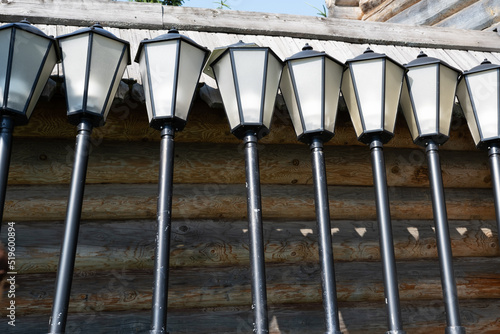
(386, 242)
(254, 209)
(57, 323)
(443, 241)
(164, 221)
(5, 148)
(494, 155)
(325, 238)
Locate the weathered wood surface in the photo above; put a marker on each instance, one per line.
(419, 317)
(223, 201)
(36, 161)
(123, 290)
(479, 15)
(429, 12)
(128, 121)
(207, 243)
(151, 16)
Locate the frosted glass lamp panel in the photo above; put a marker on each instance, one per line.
(393, 81)
(190, 66)
(408, 111)
(74, 58)
(308, 75)
(448, 87)
(466, 104)
(104, 62)
(286, 87)
(351, 102)
(44, 76)
(119, 74)
(249, 69)
(274, 68)
(224, 75)
(29, 52)
(367, 76)
(4, 59)
(333, 77)
(162, 58)
(423, 83)
(145, 82)
(484, 92)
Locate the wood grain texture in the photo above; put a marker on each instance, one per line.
(207, 243)
(479, 15)
(151, 16)
(50, 161)
(427, 12)
(127, 121)
(224, 201)
(388, 9)
(122, 290)
(419, 317)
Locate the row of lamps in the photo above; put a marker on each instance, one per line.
(248, 76)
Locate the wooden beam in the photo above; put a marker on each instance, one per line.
(36, 161)
(388, 9)
(419, 317)
(116, 245)
(480, 15)
(223, 201)
(150, 16)
(122, 290)
(429, 12)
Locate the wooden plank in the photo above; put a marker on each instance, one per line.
(419, 317)
(479, 15)
(223, 201)
(128, 121)
(50, 162)
(122, 290)
(429, 12)
(115, 245)
(152, 16)
(344, 12)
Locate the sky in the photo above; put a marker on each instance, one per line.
(298, 7)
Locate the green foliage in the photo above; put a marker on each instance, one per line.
(222, 4)
(164, 2)
(321, 12)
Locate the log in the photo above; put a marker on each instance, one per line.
(419, 317)
(428, 12)
(388, 9)
(151, 16)
(223, 201)
(36, 161)
(127, 121)
(122, 290)
(130, 244)
(478, 16)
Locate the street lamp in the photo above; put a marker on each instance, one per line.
(248, 78)
(479, 94)
(171, 66)
(93, 62)
(27, 57)
(371, 87)
(427, 101)
(311, 88)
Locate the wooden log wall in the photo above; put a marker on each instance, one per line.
(209, 283)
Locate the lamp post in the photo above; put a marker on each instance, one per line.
(310, 85)
(371, 87)
(93, 62)
(427, 101)
(171, 66)
(27, 57)
(248, 77)
(479, 94)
